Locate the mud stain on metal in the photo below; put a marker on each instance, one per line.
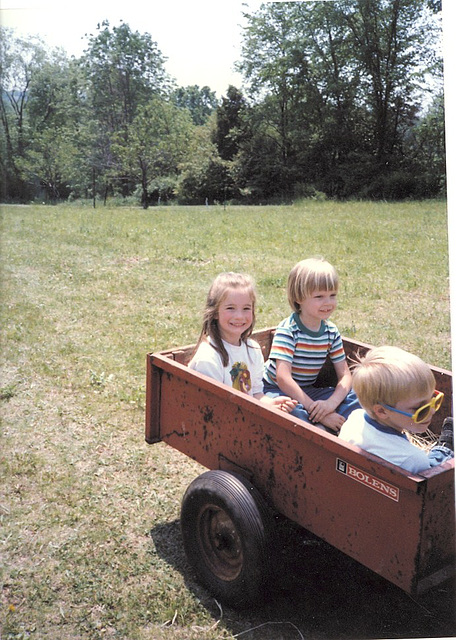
(208, 414)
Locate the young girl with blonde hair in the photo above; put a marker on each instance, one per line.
(225, 350)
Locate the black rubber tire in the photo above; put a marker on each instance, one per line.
(226, 530)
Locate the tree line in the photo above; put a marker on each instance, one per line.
(340, 99)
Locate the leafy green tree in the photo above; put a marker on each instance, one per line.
(293, 63)
(204, 176)
(435, 5)
(19, 60)
(49, 162)
(392, 46)
(333, 101)
(124, 71)
(57, 116)
(268, 66)
(200, 102)
(229, 129)
(45, 113)
(425, 151)
(158, 138)
(336, 85)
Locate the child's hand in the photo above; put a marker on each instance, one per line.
(284, 403)
(319, 409)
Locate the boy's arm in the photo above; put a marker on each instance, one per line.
(287, 385)
(319, 410)
(344, 382)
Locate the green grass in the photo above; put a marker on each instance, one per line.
(90, 538)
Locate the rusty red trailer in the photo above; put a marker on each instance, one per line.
(399, 525)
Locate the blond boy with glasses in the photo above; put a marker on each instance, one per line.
(396, 390)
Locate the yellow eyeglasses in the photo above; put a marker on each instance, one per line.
(423, 412)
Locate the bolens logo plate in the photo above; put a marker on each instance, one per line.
(386, 489)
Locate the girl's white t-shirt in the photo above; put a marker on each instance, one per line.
(245, 366)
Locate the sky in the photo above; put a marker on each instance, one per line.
(200, 38)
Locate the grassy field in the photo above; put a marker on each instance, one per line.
(89, 513)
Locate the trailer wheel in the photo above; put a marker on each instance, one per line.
(226, 529)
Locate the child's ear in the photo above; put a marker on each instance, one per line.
(379, 412)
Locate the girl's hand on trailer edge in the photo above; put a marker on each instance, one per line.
(284, 403)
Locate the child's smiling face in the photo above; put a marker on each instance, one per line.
(235, 315)
(317, 307)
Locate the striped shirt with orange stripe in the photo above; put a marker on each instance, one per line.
(304, 349)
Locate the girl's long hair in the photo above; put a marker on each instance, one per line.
(219, 288)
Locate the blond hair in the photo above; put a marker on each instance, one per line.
(307, 276)
(386, 375)
(220, 287)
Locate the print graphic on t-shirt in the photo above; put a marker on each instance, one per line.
(240, 375)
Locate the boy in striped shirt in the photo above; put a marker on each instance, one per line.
(300, 346)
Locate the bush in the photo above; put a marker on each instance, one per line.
(304, 191)
(401, 185)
